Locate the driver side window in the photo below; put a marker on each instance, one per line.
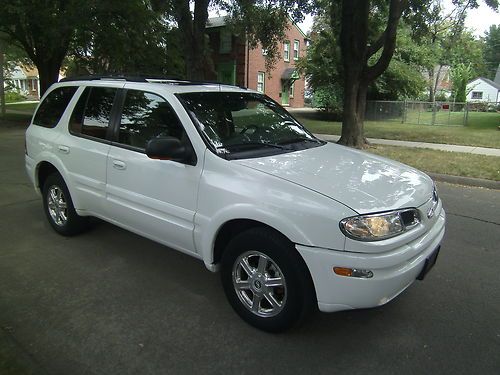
(146, 116)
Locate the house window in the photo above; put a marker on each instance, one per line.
(477, 94)
(225, 41)
(286, 51)
(261, 76)
(292, 89)
(296, 49)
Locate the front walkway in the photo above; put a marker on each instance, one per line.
(434, 146)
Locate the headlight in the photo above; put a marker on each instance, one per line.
(376, 227)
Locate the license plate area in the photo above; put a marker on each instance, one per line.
(429, 263)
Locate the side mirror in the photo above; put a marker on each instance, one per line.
(167, 148)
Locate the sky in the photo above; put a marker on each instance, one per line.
(479, 19)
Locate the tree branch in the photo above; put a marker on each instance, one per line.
(395, 12)
(378, 44)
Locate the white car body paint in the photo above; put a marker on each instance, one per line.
(302, 194)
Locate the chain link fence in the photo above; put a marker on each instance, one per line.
(427, 113)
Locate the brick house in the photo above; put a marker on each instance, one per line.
(235, 63)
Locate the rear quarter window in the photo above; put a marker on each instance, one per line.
(53, 106)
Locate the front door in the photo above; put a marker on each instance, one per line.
(155, 198)
(285, 93)
(226, 72)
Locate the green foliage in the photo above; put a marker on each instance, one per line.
(106, 45)
(491, 51)
(402, 79)
(13, 96)
(328, 98)
(460, 75)
(323, 66)
(264, 22)
(44, 28)
(468, 50)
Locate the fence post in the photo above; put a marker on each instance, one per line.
(466, 114)
(433, 121)
(403, 117)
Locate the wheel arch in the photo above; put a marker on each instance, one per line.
(43, 170)
(233, 227)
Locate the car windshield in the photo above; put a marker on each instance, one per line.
(241, 125)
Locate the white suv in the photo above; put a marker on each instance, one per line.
(228, 176)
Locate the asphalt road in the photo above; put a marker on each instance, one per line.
(110, 302)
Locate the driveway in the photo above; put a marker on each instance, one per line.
(111, 302)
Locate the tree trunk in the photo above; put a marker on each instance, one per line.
(354, 115)
(2, 80)
(193, 27)
(356, 52)
(430, 73)
(195, 58)
(48, 71)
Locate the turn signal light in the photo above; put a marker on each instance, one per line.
(353, 272)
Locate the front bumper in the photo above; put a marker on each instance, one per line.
(393, 271)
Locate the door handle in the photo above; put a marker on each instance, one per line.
(120, 165)
(63, 149)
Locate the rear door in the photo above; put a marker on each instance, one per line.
(84, 149)
(155, 198)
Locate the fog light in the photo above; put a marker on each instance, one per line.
(353, 272)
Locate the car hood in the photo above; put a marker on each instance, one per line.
(362, 181)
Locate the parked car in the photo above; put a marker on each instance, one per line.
(228, 176)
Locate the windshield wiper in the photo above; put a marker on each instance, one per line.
(252, 144)
(299, 140)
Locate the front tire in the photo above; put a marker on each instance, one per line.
(266, 280)
(59, 208)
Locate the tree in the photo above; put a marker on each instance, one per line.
(44, 30)
(105, 45)
(357, 49)
(491, 50)
(367, 44)
(2, 78)
(259, 21)
(460, 74)
(323, 67)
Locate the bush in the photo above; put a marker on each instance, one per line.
(13, 97)
(329, 99)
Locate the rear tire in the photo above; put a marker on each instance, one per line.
(59, 208)
(266, 280)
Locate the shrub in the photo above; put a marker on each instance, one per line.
(14, 96)
(328, 98)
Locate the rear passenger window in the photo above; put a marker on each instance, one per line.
(145, 116)
(52, 108)
(92, 112)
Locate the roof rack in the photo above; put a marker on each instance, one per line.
(146, 79)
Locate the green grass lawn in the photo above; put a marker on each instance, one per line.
(481, 130)
(451, 163)
(25, 107)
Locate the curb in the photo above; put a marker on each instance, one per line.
(465, 181)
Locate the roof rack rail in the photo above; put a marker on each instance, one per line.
(120, 77)
(145, 78)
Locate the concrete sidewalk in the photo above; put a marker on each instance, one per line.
(434, 146)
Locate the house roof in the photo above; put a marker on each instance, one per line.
(488, 81)
(221, 21)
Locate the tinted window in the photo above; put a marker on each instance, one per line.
(147, 116)
(53, 106)
(92, 112)
(237, 123)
